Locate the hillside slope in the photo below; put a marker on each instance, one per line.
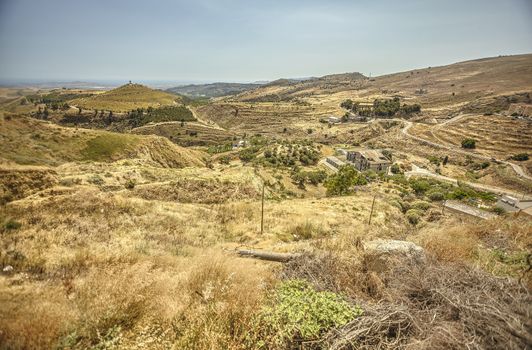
(27, 141)
(289, 89)
(453, 84)
(126, 98)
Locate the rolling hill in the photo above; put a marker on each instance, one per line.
(126, 98)
(27, 141)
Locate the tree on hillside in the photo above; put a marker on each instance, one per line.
(347, 104)
(343, 181)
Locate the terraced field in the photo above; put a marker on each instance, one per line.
(268, 118)
(187, 134)
(496, 135)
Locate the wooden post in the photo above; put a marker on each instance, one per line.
(262, 212)
(371, 212)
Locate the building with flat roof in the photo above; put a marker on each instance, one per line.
(368, 159)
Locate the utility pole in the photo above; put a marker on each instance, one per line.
(262, 212)
(371, 212)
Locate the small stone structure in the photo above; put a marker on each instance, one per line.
(369, 159)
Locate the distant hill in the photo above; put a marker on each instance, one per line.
(213, 90)
(454, 84)
(126, 98)
(289, 89)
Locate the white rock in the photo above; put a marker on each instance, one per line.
(383, 254)
(8, 268)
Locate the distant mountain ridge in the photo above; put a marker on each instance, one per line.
(213, 89)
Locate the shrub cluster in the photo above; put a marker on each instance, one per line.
(343, 182)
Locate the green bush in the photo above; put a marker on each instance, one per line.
(520, 157)
(434, 160)
(225, 160)
(226, 147)
(343, 181)
(499, 210)
(130, 184)
(248, 154)
(10, 225)
(435, 196)
(395, 169)
(347, 104)
(297, 311)
(419, 186)
(469, 143)
(96, 180)
(312, 177)
(420, 205)
(413, 216)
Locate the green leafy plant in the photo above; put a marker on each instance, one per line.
(344, 180)
(297, 310)
(469, 143)
(520, 157)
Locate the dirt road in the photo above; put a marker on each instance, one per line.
(518, 169)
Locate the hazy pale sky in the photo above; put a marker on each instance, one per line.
(246, 40)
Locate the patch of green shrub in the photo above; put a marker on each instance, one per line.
(520, 157)
(420, 186)
(96, 180)
(435, 196)
(344, 180)
(226, 147)
(413, 216)
(130, 184)
(395, 169)
(469, 143)
(297, 311)
(11, 225)
(420, 205)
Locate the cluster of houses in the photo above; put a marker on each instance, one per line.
(361, 159)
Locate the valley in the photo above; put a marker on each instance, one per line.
(123, 212)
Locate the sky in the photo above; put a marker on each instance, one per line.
(250, 40)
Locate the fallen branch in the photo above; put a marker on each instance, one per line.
(270, 256)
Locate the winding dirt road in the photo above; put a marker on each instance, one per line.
(408, 124)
